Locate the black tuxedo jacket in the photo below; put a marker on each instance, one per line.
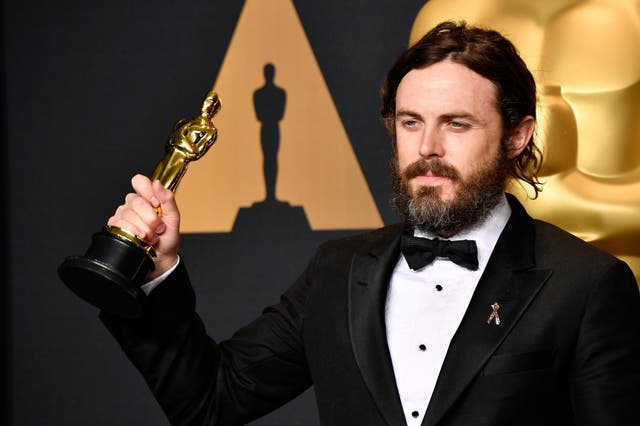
(567, 350)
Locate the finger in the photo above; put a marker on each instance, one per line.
(170, 212)
(138, 217)
(143, 209)
(146, 212)
(142, 185)
(117, 215)
(131, 221)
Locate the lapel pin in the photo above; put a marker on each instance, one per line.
(494, 313)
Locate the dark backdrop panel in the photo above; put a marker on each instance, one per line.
(91, 92)
(4, 244)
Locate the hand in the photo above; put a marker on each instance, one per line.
(151, 213)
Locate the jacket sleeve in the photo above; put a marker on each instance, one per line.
(200, 382)
(605, 378)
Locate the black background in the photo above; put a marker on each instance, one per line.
(91, 90)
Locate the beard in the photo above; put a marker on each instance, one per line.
(473, 200)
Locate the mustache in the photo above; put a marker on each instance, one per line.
(436, 167)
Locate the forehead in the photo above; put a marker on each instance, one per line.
(446, 85)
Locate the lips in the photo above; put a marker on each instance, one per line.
(430, 179)
(431, 174)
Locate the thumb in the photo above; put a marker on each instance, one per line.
(167, 204)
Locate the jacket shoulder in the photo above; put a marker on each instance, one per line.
(557, 246)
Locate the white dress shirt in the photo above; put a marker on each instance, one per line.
(150, 285)
(424, 309)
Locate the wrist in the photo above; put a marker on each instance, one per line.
(163, 264)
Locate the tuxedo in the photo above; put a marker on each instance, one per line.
(566, 351)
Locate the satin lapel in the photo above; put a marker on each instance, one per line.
(510, 280)
(368, 283)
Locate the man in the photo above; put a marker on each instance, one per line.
(523, 325)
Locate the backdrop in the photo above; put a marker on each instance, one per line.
(92, 90)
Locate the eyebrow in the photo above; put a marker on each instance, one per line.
(444, 117)
(407, 113)
(462, 115)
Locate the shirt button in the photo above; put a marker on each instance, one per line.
(438, 287)
(415, 414)
(422, 347)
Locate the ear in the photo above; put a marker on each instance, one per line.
(520, 137)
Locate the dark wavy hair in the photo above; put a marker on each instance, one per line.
(489, 54)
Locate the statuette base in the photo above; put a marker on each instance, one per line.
(109, 275)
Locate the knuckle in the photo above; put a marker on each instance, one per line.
(131, 199)
(139, 204)
(136, 230)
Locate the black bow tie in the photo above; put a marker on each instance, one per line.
(419, 252)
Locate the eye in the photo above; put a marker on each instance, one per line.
(457, 125)
(409, 123)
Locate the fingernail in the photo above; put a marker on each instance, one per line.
(155, 202)
(160, 228)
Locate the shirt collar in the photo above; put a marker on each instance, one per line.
(485, 233)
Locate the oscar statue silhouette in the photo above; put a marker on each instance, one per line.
(269, 103)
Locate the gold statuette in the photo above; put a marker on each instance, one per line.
(117, 262)
(189, 141)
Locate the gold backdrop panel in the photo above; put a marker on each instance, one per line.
(585, 56)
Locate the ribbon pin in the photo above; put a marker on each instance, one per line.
(494, 313)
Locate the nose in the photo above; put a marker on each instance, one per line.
(431, 144)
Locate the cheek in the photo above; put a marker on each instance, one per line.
(469, 157)
(406, 154)
(402, 162)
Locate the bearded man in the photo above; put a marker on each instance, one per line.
(468, 312)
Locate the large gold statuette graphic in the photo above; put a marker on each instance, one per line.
(117, 262)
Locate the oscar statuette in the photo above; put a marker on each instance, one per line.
(117, 262)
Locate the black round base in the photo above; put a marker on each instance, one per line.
(109, 275)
